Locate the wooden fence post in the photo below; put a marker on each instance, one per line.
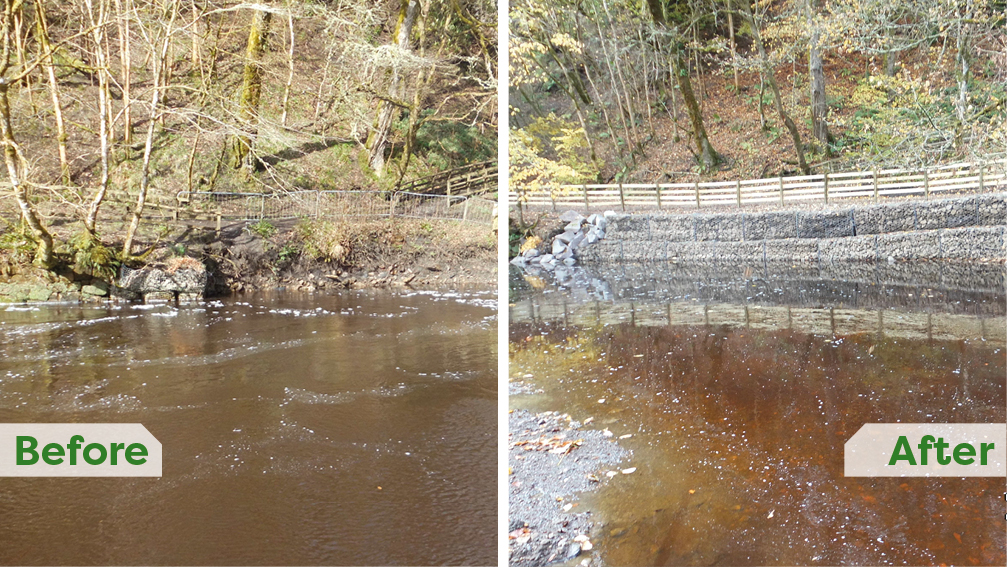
(391, 210)
(737, 187)
(658, 187)
(587, 204)
(262, 207)
(622, 198)
(318, 203)
(825, 180)
(781, 189)
(926, 182)
(552, 196)
(875, 186)
(697, 194)
(981, 176)
(465, 211)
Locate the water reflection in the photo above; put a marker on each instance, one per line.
(740, 405)
(347, 429)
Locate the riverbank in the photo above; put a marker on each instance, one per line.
(366, 254)
(299, 255)
(553, 459)
(961, 229)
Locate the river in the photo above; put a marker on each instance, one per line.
(736, 395)
(354, 428)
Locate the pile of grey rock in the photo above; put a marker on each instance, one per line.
(579, 232)
(151, 284)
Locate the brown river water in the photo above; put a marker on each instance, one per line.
(356, 428)
(739, 402)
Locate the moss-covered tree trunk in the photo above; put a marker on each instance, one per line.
(13, 160)
(15, 167)
(251, 91)
(377, 142)
(707, 156)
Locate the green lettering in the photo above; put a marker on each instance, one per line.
(964, 450)
(903, 452)
(925, 445)
(30, 449)
(101, 451)
(72, 446)
(52, 454)
(116, 447)
(941, 445)
(985, 448)
(136, 450)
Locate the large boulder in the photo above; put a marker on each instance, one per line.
(155, 283)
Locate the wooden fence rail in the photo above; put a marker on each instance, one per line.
(466, 180)
(990, 176)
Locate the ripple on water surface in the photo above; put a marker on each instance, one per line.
(357, 428)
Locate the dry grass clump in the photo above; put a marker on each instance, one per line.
(184, 263)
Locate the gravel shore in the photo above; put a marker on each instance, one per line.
(553, 459)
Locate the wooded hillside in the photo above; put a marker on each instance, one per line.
(669, 91)
(115, 100)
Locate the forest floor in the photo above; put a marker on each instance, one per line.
(735, 130)
(732, 121)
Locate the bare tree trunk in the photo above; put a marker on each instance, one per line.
(623, 107)
(787, 121)
(124, 9)
(42, 30)
(891, 62)
(197, 38)
(819, 104)
(290, 64)
(604, 113)
(101, 64)
(20, 34)
(734, 48)
(251, 91)
(636, 141)
(646, 85)
(159, 56)
(674, 104)
(378, 141)
(963, 71)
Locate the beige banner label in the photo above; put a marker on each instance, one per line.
(928, 449)
(78, 449)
